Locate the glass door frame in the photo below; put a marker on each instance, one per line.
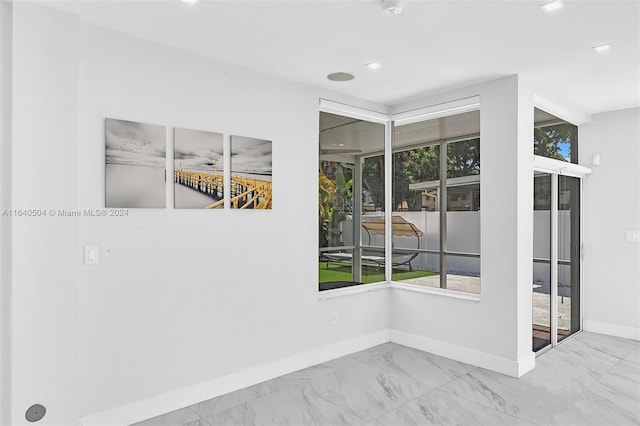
(556, 168)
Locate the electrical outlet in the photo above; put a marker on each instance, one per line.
(334, 317)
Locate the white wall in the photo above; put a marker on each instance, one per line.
(45, 257)
(184, 296)
(179, 297)
(611, 207)
(6, 17)
(493, 325)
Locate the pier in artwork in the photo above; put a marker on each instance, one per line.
(246, 192)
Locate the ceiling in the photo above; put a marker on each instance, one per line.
(430, 47)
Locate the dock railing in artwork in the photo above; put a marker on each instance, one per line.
(211, 184)
(250, 193)
(245, 192)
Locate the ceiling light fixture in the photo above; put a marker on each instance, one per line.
(392, 7)
(602, 47)
(340, 76)
(373, 65)
(190, 1)
(552, 5)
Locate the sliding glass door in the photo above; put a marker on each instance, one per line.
(541, 261)
(556, 263)
(568, 294)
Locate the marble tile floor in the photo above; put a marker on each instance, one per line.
(590, 379)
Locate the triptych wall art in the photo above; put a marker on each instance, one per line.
(198, 169)
(136, 175)
(135, 164)
(250, 172)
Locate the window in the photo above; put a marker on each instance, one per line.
(554, 137)
(351, 202)
(436, 221)
(435, 201)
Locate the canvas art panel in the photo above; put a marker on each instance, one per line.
(251, 173)
(198, 169)
(135, 164)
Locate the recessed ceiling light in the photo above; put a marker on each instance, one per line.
(190, 1)
(340, 76)
(552, 5)
(373, 65)
(392, 7)
(602, 47)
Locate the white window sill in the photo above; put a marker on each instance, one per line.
(356, 289)
(365, 288)
(433, 290)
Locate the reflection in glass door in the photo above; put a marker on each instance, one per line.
(568, 294)
(541, 261)
(556, 263)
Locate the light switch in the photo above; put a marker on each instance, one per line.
(632, 236)
(91, 255)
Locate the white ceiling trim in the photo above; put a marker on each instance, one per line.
(571, 115)
(436, 111)
(550, 165)
(346, 110)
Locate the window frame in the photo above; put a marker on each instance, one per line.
(443, 189)
(375, 117)
(390, 121)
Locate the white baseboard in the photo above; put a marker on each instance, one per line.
(611, 329)
(155, 406)
(466, 355)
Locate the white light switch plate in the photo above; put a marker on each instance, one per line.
(91, 255)
(632, 236)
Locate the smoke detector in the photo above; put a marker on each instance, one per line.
(392, 7)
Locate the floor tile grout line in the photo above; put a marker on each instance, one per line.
(575, 400)
(301, 383)
(436, 389)
(598, 381)
(199, 416)
(375, 358)
(399, 406)
(480, 403)
(257, 397)
(243, 402)
(367, 360)
(580, 338)
(419, 396)
(594, 381)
